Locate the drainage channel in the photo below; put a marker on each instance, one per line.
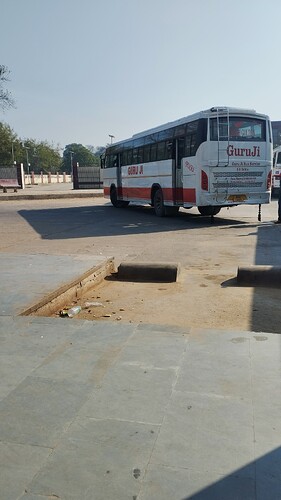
(71, 292)
(106, 294)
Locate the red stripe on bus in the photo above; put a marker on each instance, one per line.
(137, 192)
(189, 195)
(143, 193)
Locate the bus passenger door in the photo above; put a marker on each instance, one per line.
(178, 154)
(119, 177)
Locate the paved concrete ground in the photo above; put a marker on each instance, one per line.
(52, 190)
(26, 279)
(97, 410)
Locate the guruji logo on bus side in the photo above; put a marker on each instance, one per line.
(233, 151)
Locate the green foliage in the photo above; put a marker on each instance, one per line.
(40, 156)
(43, 157)
(77, 153)
(7, 141)
(6, 101)
(96, 151)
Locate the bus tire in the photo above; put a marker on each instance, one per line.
(114, 200)
(209, 210)
(158, 203)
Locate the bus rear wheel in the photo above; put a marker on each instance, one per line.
(114, 200)
(209, 210)
(158, 203)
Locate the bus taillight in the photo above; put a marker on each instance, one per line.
(268, 183)
(204, 181)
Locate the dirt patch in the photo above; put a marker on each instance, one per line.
(197, 300)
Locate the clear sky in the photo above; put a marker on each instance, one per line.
(84, 69)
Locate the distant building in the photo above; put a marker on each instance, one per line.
(276, 131)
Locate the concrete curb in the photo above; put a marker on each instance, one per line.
(50, 196)
(74, 289)
(259, 275)
(145, 271)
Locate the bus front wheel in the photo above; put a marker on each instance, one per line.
(114, 200)
(209, 210)
(158, 203)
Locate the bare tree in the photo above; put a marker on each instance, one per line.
(6, 100)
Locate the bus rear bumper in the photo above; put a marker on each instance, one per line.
(230, 199)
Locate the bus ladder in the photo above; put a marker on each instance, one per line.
(223, 158)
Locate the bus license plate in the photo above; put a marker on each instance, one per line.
(237, 197)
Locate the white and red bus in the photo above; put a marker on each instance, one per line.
(276, 170)
(216, 158)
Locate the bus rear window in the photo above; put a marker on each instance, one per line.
(240, 129)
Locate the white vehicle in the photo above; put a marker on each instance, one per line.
(276, 170)
(216, 158)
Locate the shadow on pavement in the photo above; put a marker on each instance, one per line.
(266, 310)
(258, 480)
(266, 301)
(81, 222)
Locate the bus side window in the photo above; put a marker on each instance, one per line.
(115, 161)
(124, 158)
(193, 145)
(140, 155)
(130, 157)
(153, 152)
(135, 155)
(146, 153)
(279, 159)
(161, 151)
(188, 145)
(169, 148)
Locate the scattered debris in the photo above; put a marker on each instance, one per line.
(136, 473)
(93, 304)
(70, 312)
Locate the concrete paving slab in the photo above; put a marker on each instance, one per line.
(39, 410)
(114, 470)
(101, 335)
(166, 483)
(119, 407)
(134, 392)
(219, 367)
(18, 464)
(26, 279)
(195, 422)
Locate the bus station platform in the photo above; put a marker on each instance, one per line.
(98, 410)
(49, 191)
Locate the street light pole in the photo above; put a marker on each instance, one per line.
(27, 162)
(111, 137)
(71, 164)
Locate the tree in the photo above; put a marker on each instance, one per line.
(6, 101)
(77, 153)
(35, 155)
(96, 151)
(8, 143)
(42, 156)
